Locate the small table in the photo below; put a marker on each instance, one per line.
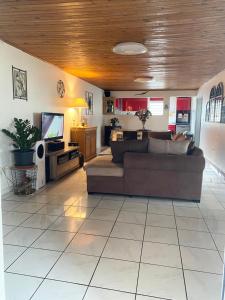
(24, 179)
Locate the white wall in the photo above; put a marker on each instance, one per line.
(42, 78)
(2, 285)
(158, 123)
(212, 135)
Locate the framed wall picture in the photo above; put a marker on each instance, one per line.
(19, 78)
(89, 99)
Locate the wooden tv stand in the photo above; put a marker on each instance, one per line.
(62, 162)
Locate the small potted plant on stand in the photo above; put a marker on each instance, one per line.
(114, 122)
(24, 138)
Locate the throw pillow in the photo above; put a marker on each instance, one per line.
(120, 147)
(167, 146)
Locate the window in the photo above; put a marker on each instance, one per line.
(156, 106)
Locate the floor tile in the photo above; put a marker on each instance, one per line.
(39, 221)
(96, 227)
(110, 204)
(11, 253)
(161, 254)
(72, 267)
(210, 205)
(161, 209)
(35, 262)
(196, 239)
(161, 282)
(53, 240)
(203, 285)
(128, 231)
(86, 202)
(56, 290)
(7, 229)
(54, 210)
(191, 224)
(161, 220)
(135, 206)
(161, 235)
(29, 207)
(216, 214)
(219, 240)
(191, 212)
(101, 294)
(10, 205)
(201, 260)
(87, 244)
(67, 224)
(78, 212)
(104, 214)
(116, 274)
(216, 226)
(14, 218)
(184, 203)
(113, 197)
(123, 249)
(20, 287)
(139, 297)
(131, 217)
(22, 236)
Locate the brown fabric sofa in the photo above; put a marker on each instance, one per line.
(148, 174)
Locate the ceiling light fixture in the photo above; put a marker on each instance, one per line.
(130, 48)
(143, 79)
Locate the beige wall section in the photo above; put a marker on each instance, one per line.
(155, 122)
(212, 138)
(42, 78)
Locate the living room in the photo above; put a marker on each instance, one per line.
(157, 231)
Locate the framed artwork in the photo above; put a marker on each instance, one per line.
(19, 78)
(89, 99)
(215, 107)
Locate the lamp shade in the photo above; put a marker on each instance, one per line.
(80, 102)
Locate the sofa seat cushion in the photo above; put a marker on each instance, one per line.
(103, 166)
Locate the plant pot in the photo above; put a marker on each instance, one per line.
(23, 157)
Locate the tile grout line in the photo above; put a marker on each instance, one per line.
(142, 245)
(182, 266)
(108, 237)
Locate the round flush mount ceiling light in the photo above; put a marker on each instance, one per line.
(144, 79)
(129, 48)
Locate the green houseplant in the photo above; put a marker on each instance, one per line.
(24, 138)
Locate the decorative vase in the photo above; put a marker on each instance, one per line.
(143, 124)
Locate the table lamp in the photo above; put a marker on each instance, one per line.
(80, 103)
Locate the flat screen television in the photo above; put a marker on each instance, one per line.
(52, 126)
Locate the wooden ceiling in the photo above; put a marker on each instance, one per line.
(185, 39)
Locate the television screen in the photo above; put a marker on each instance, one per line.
(52, 126)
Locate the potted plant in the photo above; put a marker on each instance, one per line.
(114, 122)
(24, 138)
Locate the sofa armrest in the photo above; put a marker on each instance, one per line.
(164, 162)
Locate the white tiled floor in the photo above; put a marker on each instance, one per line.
(63, 244)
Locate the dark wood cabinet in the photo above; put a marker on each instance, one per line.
(86, 137)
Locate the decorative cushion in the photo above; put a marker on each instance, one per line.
(103, 166)
(120, 147)
(167, 146)
(178, 137)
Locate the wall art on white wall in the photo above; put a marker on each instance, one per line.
(19, 78)
(89, 99)
(61, 89)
